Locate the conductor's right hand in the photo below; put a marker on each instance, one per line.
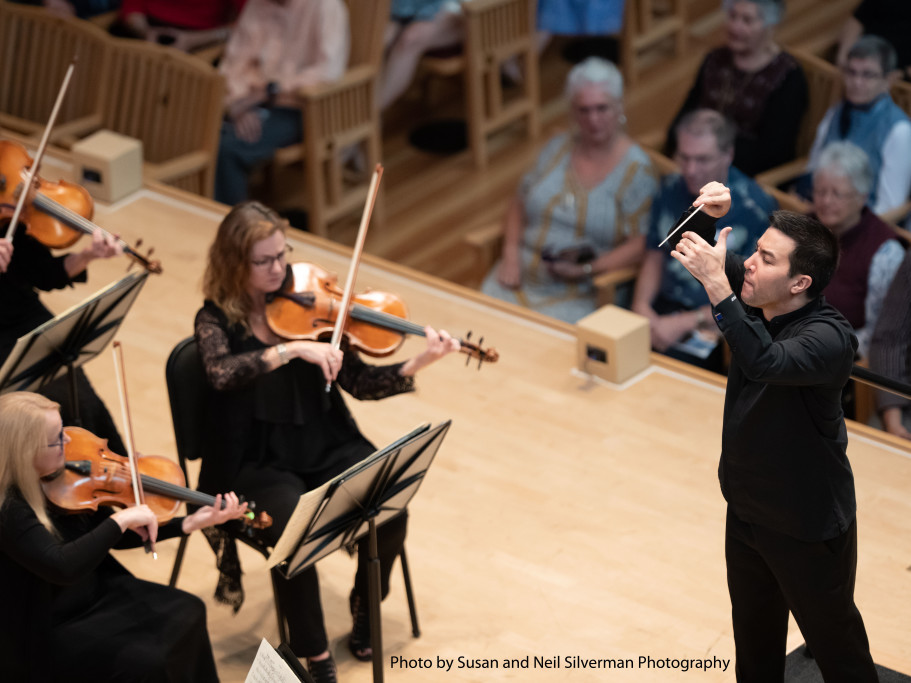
(328, 358)
(715, 199)
(140, 519)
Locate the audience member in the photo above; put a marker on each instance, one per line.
(415, 27)
(183, 24)
(869, 118)
(580, 210)
(870, 253)
(890, 19)
(755, 84)
(890, 351)
(276, 48)
(676, 305)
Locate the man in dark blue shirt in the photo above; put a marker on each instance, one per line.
(791, 537)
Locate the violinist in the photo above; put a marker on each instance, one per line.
(26, 266)
(274, 432)
(70, 610)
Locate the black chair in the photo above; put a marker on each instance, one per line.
(187, 390)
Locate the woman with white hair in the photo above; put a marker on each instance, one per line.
(870, 253)
(755, 84)
(582, 209)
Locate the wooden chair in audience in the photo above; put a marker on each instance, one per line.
(337, 116)
(824, 83)
(37, 48)
(496, 31)
(172, 102)
(650, 27)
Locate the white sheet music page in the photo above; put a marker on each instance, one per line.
(269, 667)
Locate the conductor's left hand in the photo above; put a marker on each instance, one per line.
(705, 262)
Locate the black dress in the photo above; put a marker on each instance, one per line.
(32, 268)
(72, 612)
(273, 436)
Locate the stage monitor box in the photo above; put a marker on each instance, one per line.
(108, 165)
(613, 343)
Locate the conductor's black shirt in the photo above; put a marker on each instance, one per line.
(783, 461)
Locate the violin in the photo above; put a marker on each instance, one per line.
(93, 475)
(306, 307)
(59, 213)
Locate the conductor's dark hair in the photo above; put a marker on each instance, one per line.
(815, 251)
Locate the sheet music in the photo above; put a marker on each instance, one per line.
(269, 667)
(303, 514)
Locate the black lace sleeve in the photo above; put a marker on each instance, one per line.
(224, 369)
(368, 382)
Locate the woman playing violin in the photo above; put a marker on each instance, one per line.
(70, 610)
(275, 432)
(26, 266)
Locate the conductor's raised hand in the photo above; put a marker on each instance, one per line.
(705, 262)
(715, 199)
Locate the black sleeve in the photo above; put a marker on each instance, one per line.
(33, 263)
(24, 539)
(701, 223)
(367, 382)
(775, 142)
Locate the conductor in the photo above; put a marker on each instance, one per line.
(791, 533)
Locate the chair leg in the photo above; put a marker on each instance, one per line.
(178, 560)
(279, 615)
(412, 608)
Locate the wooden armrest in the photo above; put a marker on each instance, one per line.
(606, 283)
(897, 215)
(352, 78)
(787, 201)
(177, 167)
(781, 174)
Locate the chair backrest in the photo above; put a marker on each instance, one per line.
(651, 30)
(37, 48)
(187, 391)
(824, 85)
(170, 101)
(368, 19)
(901, 93)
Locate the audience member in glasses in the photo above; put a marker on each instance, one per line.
(869, 118)
(676, 305)
(870, 252)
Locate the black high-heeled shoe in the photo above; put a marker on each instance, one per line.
(359, 640)
(323, 671)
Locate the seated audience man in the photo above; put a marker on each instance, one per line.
(676, 305)
(870, 253)
(276, 48)
(580, 211)
(755, 84)
(890, 19)
(869, 118)
(890, 351)
(183, 24)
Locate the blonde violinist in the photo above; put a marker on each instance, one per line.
(70, 610)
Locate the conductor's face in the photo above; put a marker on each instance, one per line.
(767, 281)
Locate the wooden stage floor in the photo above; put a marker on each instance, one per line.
(562, 517)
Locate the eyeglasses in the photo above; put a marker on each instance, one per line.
(59, 442)
(267, 262)
(825, 193)
(865, 75)
(704, 160)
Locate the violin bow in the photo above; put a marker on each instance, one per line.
(36, 162)
(342, 317)
(138, 493)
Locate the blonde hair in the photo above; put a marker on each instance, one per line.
(228, 267)
(23, 426)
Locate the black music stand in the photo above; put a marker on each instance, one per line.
(74, 337)
(354, 503)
